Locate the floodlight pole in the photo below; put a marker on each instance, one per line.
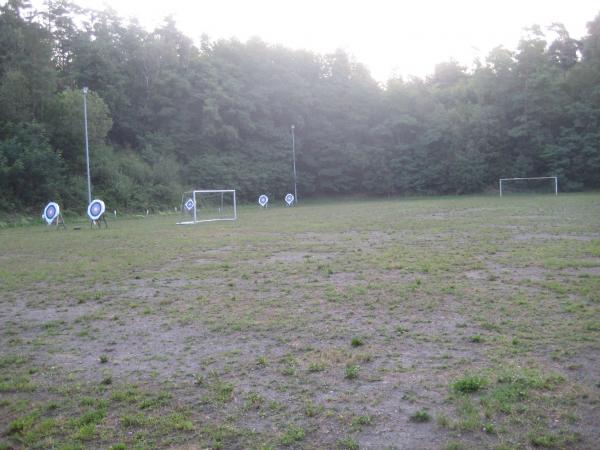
(87, 149)
(294, 163)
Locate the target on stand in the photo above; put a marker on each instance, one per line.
(289, 199)
(51, 212)
(263, 200)
(96, 209)
(189, 205)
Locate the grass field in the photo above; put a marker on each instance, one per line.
(451, 323)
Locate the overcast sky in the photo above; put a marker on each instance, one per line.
(389, 37)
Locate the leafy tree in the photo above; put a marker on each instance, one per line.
(166, 115)
(67, 123)
(30, 170)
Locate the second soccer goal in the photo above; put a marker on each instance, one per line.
(208, 205)
(534, 185)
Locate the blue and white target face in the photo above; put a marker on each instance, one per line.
(289, 199)
(263, 200)
(189, 205)
(51, 212)
(96, 209)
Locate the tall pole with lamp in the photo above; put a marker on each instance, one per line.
(87, 149)
(294, 165)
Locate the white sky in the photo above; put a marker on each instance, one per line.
(389, 37)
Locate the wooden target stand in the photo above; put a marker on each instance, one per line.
(98, 222)
(58, 222)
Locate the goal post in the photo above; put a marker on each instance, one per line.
(208, 205)
(510, 183)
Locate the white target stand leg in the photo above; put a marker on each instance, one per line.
(59, 222)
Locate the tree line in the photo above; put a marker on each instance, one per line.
(166, 115)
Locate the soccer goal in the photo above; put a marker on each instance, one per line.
(208, 206)
(535, 185)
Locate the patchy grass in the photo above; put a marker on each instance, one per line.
(292, 434)
(348, 444)
(340, 324)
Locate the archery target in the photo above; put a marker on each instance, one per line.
(96, 209)
(289, 199)
(51, 212)
(189, 205)
(263, 200)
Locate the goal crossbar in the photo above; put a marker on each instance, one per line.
(531, 178)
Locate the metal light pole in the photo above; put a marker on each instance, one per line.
(87, 149)
(294, 159)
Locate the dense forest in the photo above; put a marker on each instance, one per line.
(166, 114)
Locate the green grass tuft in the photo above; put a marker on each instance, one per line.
(420, 416)
(351, 371)
(356, 342)
(469, 384)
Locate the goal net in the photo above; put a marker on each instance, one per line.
(208, 206)
(535, 185)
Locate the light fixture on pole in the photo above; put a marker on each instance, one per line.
(87, 149)
(294, 162)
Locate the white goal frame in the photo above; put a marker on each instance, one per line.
(531, 178)
(198, 193)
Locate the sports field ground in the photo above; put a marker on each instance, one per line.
(442, 323)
